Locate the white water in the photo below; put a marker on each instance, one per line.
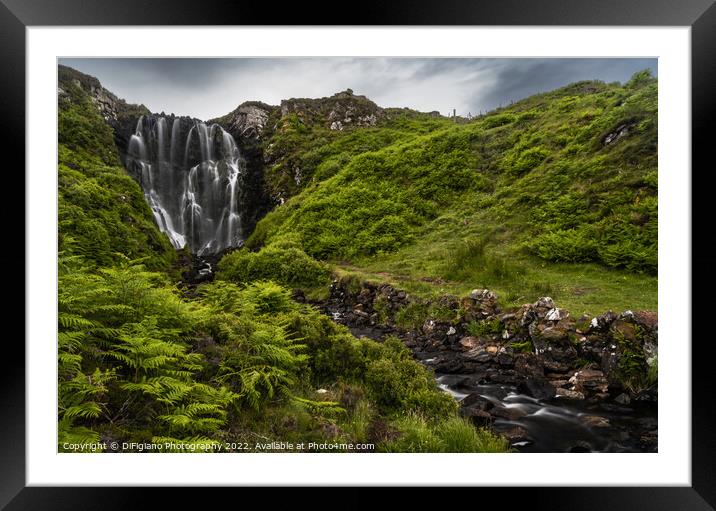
(191, 179)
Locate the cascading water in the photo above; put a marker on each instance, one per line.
(191, 179)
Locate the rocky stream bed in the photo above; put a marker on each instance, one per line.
(548, 382)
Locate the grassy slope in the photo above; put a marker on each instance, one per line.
(527, 200)
(102, 212)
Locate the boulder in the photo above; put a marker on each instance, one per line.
(509, 413)
(476, 401)
(537, 388)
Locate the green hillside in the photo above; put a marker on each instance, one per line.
(555, 194)
(102, 213)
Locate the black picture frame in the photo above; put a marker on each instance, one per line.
(700, 15)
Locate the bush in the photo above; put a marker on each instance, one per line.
(493, 121)
(575, 245)
(398, 383)
(529, 159)
(287, 266)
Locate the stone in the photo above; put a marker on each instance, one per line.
(516, 434)
(527, 364)
(538, 388)
(429, 326)
(469, 342)
(556, 314)
(581, 446)
(623, 399)
(589, 381)
(545, 302)
(595, 421)
(479, 418)
(476, 401)
(569, 394)
(479, 355)
(505, 359)
(619, 132)
(455, 380)
(511, 413)
(555, 366)
(602, 322)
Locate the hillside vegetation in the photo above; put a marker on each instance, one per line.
(140, 362)
(102, 213)
(555, 194)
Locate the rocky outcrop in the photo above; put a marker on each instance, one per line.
(249, 121)
(119, 114)
(341, 111)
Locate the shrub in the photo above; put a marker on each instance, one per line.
(529, 159)
(493, 121)
(287, 266)
(574, 245)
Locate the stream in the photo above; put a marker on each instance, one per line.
(555, 425)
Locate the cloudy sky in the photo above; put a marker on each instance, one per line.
(208, 88)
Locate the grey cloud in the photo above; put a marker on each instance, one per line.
(207, 88)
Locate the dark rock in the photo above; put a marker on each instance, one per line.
(527, 364)
(455, 380)
(602, 322)
(556, 314)
(511, 413)
(537, 388)
(516, 434)
(478, 417)
(476, 401)
(581, 446)
(479, 355)
(544, 303)
(569, 394)
(589, 381)
(623, 399)
(620, 131)
(505, 359)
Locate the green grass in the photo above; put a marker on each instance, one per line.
(527, 201)
(424, 270)
(450, 436)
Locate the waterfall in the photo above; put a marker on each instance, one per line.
(191, 179)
